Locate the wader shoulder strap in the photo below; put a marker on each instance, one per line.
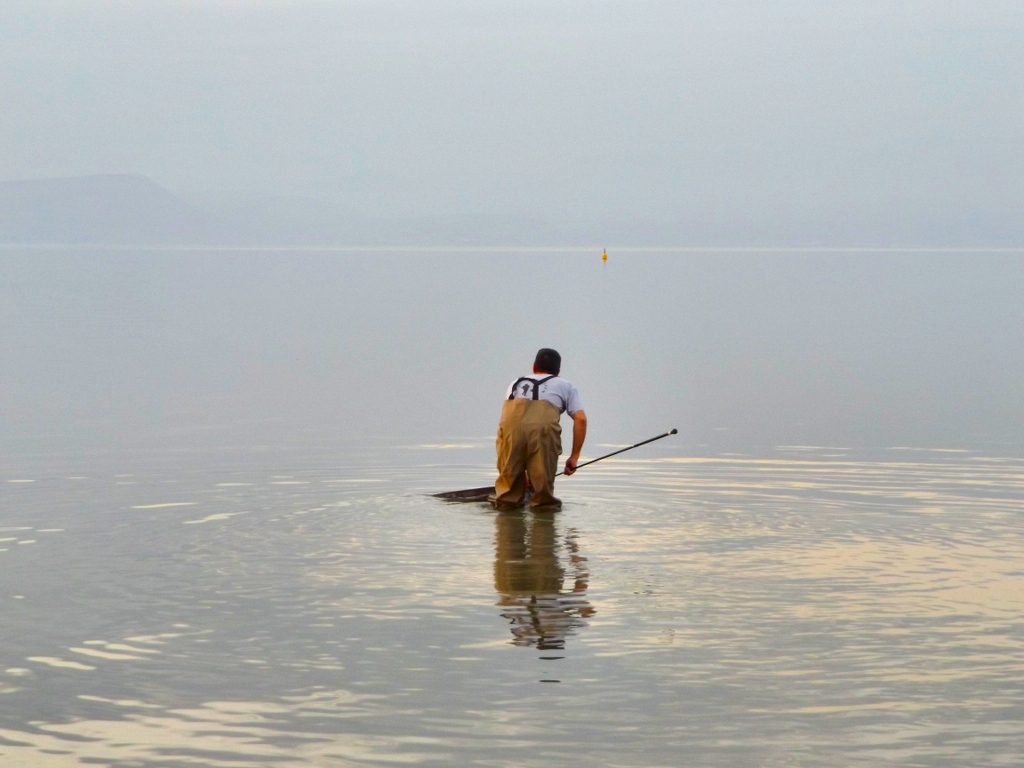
(536, 386)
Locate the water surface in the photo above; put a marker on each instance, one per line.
(803, 606)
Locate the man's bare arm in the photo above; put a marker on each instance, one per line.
(579, 434)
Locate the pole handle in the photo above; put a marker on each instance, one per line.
(622, 450)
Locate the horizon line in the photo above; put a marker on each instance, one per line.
(519, 248)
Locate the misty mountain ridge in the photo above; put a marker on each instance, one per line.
(105, 209)
(132, 209)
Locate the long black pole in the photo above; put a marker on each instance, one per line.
(481, 494)
(622, 450)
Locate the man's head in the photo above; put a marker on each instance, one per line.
(547, 361)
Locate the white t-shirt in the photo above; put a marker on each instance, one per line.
(559, 392)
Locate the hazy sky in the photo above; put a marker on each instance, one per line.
(743, 113)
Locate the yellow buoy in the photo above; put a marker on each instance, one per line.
(604, 256)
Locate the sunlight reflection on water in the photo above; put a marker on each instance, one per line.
(803, 607)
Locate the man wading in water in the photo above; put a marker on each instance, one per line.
(530, 437)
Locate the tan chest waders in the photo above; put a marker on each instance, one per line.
(530, 442)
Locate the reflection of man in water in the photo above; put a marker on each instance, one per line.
(529, 578)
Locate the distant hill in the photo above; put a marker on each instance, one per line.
(130, 209)
(114, 208)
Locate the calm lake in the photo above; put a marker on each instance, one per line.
(217, 547)
(801, 606)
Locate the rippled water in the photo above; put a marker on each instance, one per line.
(802, 606)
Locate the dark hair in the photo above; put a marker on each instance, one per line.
(548, 361)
